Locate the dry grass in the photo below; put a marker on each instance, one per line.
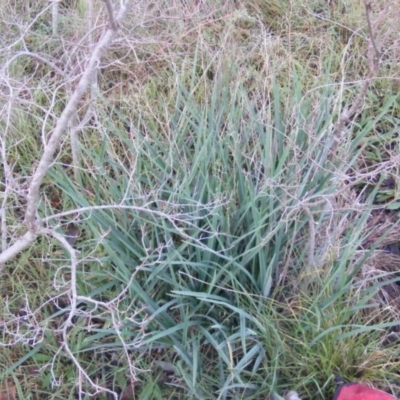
(298, 63)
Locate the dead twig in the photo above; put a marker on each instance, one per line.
(373, 56)
(113, 22)
(32, 222)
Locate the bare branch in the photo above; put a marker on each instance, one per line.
(62, 123)
(31, 220)
(113, 23)
(311, 267)
(21, 244)
(368, 11)
(54, 22)
(38, 57)
(373, 62)
(74, 296)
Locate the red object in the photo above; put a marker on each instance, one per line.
(355, 391)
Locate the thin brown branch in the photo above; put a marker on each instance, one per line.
(311, 243)
(373, 55)
(368, 11)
